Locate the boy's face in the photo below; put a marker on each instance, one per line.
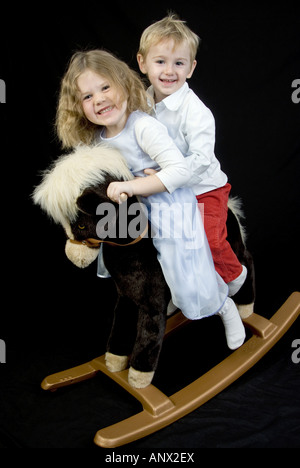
(167, 66)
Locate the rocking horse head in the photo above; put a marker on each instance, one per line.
(72, 189)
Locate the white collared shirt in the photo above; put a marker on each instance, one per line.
(192, 127)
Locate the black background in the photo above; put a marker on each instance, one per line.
(55, 316)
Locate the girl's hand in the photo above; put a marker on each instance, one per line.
(115, 189)
(150, 171)
(143, 186)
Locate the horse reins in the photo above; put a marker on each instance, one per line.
(95, 243)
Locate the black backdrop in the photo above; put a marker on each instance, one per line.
(54, 316)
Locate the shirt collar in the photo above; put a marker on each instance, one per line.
(174, 101)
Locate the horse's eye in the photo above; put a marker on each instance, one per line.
(81, 227)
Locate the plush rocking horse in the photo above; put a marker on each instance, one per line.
(73, 194)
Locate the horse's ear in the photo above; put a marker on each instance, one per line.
(89, 200)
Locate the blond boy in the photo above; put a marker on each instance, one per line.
(167, 55)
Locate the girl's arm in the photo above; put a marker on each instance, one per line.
(173, 172)
(144, 186)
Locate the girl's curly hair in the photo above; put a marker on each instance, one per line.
(72, 126)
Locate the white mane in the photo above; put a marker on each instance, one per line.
(235, 205)
(64, 182)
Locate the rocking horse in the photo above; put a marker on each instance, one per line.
(70, 192)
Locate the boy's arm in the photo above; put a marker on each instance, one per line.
(200, 137)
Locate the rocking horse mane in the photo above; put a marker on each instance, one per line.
(70, 174)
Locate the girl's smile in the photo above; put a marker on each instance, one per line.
(102, 104)
(106, 109)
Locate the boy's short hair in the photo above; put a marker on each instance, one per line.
(170, 27)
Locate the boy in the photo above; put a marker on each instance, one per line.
(167, 56)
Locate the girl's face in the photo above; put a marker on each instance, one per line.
(101, 102)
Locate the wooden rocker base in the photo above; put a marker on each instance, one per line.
(160, 410)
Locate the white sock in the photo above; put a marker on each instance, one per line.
(234, 328)
(171, 308)
(235, 285)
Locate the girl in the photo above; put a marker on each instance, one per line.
(102, 99)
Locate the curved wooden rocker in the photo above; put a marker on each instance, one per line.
(160, 410)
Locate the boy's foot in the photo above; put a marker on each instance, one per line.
(234, 328)
(235, 285)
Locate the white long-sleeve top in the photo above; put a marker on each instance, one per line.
(191, 125)
(145, 143)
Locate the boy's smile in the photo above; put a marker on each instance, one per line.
(168, 66)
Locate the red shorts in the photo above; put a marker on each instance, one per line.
(214, 212)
